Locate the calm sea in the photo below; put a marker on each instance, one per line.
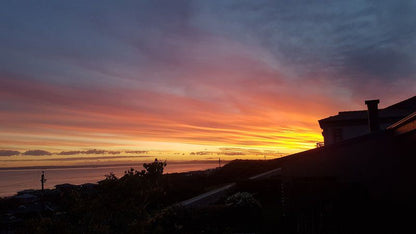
(14, 180)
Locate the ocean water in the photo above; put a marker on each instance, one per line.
(14, 180)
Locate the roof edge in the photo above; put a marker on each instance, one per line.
(402, 122)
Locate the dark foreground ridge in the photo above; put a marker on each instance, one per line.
(132, 203)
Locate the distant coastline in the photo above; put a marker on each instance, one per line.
(22, 178)
(109, 165)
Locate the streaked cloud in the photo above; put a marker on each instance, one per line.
(136, 151)
(92, 151)
(9, 152)
(241, 74)
(37, 153)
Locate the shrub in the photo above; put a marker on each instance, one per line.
(242, 200)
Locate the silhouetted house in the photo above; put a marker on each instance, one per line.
(384, 156)
(371, 173)
(350, 124)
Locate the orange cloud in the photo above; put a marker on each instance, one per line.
(53, 115)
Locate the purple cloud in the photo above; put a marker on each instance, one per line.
(9, 152)
(37, 152)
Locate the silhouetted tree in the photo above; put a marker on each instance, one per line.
(111, 177)
(130, 172)
(154, 169)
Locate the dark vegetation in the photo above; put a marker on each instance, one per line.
(135, 203)
(148, 201)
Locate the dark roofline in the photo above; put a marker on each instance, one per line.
(403, 104)
(408, 104)
(342, 112)
(358, 120)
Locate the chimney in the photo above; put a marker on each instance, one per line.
(373, 123)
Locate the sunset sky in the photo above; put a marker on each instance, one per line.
(234, 78)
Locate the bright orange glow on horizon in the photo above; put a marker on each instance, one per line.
(173, 123)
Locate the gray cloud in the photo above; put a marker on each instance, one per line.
(136, 151)
(380, 63)
(202, 153)
(92, 151)
(351, 43)
(344, 40)
(9, 152)
(79, 158)
(37, 152)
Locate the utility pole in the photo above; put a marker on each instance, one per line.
(219, 162)
(42, 180)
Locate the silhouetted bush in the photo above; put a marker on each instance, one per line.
(242, 200)
(137, 202)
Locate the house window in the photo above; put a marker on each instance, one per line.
(338, 135)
